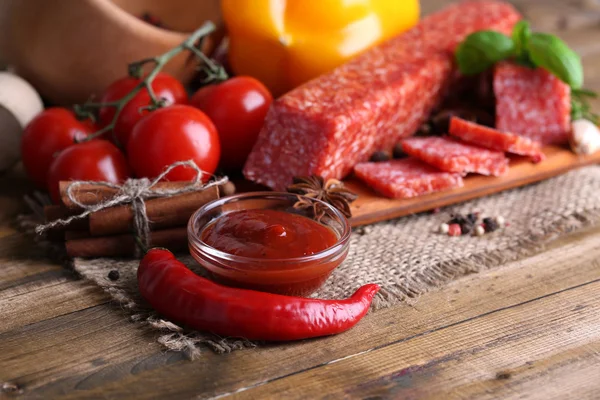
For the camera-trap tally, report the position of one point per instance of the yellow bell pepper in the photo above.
(285, 43)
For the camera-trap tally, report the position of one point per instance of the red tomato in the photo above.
(96, 160)
(49, 133)
(237, 107)
(171, 134)
(165, 86)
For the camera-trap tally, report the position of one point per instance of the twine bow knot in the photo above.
(134, 192)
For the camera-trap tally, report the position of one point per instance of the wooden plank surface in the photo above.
(467, 359)
(529, 329)
(99, 332)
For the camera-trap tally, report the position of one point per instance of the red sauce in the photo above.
(269, 234)
(263, 235)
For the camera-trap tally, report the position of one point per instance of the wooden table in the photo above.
(529, 329)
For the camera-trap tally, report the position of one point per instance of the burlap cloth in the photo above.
(405, 256)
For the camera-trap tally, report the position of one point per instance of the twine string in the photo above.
(134, 192)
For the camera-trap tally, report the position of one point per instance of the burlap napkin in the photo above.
(405, 256)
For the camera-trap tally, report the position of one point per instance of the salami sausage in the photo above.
(409, 177)
(532, 103)
(490, 138)
(453, 156)
(328, 125)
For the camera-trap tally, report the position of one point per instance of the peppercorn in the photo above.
(472, 217)
(479, 230)
(444, 228)
(399, 152)
(379, 156)
(466, 225)
(114, 275)
(500, 220)
(490, 224)
(454, 230)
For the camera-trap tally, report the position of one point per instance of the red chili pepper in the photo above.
(179, 294)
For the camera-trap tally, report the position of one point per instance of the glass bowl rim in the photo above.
(195, 241)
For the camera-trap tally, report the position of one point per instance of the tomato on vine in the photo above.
(171, 134)
(164, 86)
(237, 107)
(49, 133)
(96, 160)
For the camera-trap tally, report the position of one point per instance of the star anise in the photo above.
(314, 187)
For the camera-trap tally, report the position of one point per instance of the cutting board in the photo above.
(371, 207)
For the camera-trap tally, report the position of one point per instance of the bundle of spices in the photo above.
(101, 220)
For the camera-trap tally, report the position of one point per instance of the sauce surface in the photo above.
(269, 234)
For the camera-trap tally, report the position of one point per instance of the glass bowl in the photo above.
(299, 276)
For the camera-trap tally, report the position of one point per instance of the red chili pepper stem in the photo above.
(182, 296)
(136, 69)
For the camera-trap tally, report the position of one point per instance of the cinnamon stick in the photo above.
(163, 212)
(174, 239)
(88, 194)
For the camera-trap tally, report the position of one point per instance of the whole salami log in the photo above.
(331, 123)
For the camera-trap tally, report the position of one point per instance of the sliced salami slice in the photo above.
(402, 179)
(331, 123)
(532, 103)
(490, 138)
(453, 156)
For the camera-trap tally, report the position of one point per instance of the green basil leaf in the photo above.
(551, 53)
(481, 50)
(520, 36)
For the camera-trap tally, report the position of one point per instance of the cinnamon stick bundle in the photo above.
(89, 195)
(164, 212)
(108, 232)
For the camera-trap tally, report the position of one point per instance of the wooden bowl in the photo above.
(70, 50)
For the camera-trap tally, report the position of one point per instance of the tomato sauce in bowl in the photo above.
(260, 241)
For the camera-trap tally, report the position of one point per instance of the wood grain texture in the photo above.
(526, 330)
(467, 359)
(128, 372)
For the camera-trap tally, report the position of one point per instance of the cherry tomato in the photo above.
(49, 133)
(237, 107)
(164, 86)
(96, 160)
(171, 134)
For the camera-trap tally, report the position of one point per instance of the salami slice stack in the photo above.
(494, 139)
(532, 103)
(453, 156)
(406, 178)
(328, 125)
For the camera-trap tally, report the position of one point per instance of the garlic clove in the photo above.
(585, 137)
(19, 103)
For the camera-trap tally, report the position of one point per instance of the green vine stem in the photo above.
(214, 72)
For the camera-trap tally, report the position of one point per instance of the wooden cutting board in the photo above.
(371, 207)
